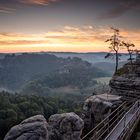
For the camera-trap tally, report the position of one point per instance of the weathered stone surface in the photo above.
(67, 126)
(34, 128)
(97, 107)
(126, 81)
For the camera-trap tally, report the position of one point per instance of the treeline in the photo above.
(16, 107)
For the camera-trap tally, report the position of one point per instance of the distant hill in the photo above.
(17, 70)
(96, 58)
(92, 57)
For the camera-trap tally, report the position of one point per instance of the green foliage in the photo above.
(122, 71)
(16, 107)
(78, 78)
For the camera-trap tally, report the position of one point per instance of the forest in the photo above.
(16, 107)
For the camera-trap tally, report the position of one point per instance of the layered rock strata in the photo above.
(126, 81)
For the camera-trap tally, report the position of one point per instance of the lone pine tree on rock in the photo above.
(115, 45)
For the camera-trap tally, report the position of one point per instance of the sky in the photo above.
(66, 25)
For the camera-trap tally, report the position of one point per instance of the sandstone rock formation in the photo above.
(97, 107)
(126, 81)
(34, 128)
(67, 126)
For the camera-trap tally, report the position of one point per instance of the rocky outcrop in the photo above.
(66, 126)
(97, 107)
(34, 128)
(126, 81)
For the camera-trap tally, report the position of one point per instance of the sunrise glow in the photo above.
(63, 25)
(84, 39)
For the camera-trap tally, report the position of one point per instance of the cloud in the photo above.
(66, 39)
(121, 8)
(36, 2)
(10, 6)
(69, 38)
(7, 10)
(22, 42)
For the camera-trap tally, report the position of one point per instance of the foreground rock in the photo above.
(34, 128)
(98, 107)
(67, 126)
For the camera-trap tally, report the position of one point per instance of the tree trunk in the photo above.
(130, 58)
(117, 59)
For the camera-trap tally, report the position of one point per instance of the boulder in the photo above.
(67, 126)
(33, 128)
(98, 107)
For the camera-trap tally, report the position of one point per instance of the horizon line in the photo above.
(57, 52)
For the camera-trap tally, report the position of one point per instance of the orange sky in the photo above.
(67, 39)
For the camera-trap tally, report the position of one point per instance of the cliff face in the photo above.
(126, 81)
